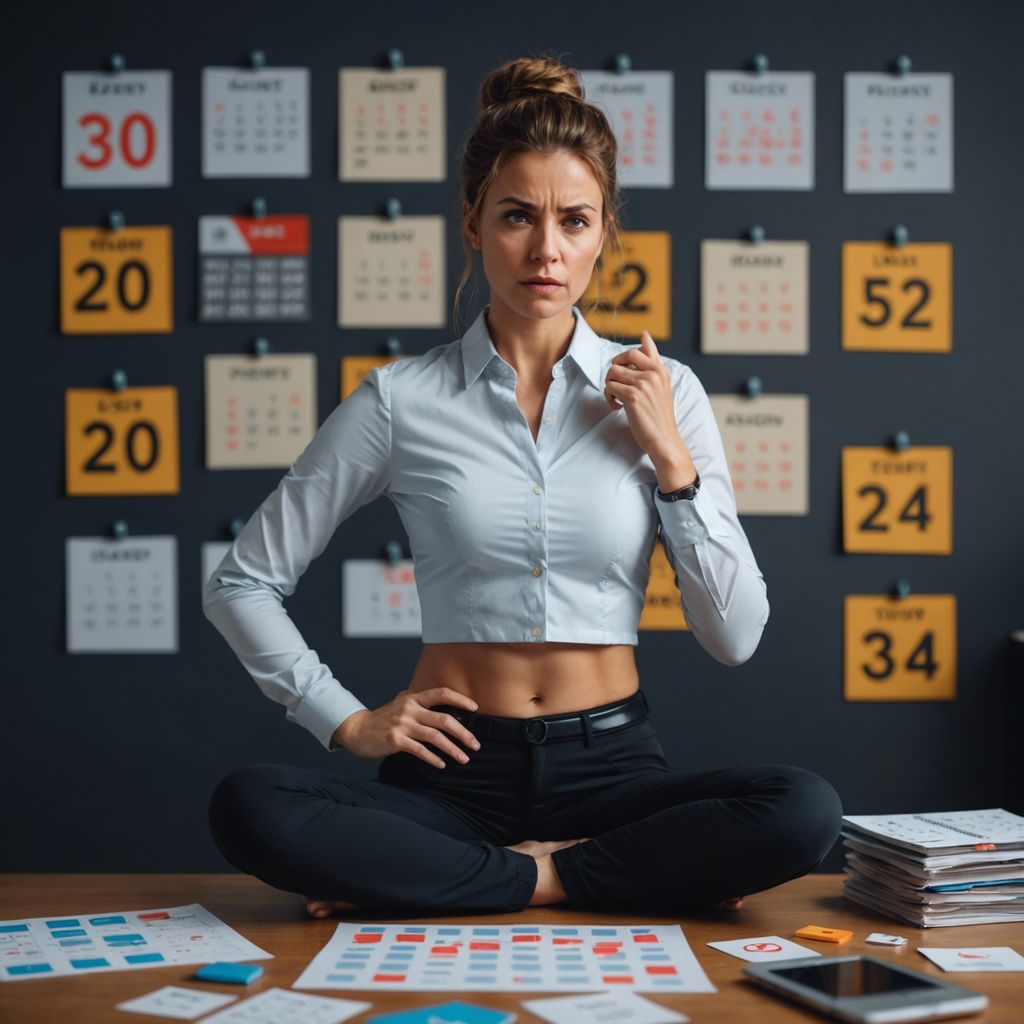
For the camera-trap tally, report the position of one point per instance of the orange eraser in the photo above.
(814, 931)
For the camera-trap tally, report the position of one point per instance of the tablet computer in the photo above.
(865, 990)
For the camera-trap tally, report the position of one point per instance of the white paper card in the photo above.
(763, 948)
(899, 133)
(759, 130)
(882, 939)
(117, 129)
(47, 947)
(601, 1008)
(975, 958)
(638, 106)
(122, 595)
(278, 1006)
(180, 1003)
(378, 599)
(255, 122)
(506, 958)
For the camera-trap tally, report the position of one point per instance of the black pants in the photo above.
(428, 839)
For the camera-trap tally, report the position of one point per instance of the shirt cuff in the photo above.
(326, 705)
(688, 521)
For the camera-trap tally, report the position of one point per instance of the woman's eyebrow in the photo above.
(531, 206)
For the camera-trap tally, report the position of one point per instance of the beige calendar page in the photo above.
(392, 124)
(391, 272)
(766, 443)
(260, 410)
(754, 297)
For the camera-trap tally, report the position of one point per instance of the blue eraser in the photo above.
(238, 974)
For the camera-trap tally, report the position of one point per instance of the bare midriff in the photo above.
(522, 680)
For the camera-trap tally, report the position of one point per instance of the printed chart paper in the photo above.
(392, 124)
(179, 1003)
(759, 130)
(603, 1008)
(505, 958)
(899, 133)
(47, 947)
(255, 122)
(117, 129)
(279, 1006)
(379, 599)
(122, 595)
(975, 958)
(638, 106)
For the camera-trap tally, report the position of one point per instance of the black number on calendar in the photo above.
(133, 286)
(922, 658)
(872, 296)
(141, 445)
(914, 511)
(628, 303)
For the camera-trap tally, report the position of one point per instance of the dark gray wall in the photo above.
(114, 755)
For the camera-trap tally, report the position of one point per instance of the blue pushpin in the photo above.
(259, 206)
(258, 59)
(115, 220)
(901, 441)
(393, 208)
(760, 63)
(753, 386)
(235, 527)
(117, 63)
(900, 235)
(901, 589)
(757, 234)
(393, 552)
(903, 65)
(120, 529)
(393, 346)
(622, 63)
(396, 59)
(261, 346)
(119, 380)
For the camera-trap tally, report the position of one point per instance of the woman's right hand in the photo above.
(405, 723)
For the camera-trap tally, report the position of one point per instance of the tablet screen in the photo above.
(852, 978)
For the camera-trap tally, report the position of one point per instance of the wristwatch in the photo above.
(687, 493)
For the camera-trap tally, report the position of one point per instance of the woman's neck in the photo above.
(530, 347)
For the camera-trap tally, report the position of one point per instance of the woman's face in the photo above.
(541, 217)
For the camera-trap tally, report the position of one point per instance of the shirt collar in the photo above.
(585, 349)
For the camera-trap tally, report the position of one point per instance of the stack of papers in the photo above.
(937, 870)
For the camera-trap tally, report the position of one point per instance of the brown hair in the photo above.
(536, 104)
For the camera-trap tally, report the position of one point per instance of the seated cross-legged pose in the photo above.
(534, 465)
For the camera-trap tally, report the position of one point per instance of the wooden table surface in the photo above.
(277, 922)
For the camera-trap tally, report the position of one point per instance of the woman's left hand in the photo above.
(641, 383)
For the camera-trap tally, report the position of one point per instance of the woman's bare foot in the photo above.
(323, 908)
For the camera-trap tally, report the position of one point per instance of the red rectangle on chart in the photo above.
(389, 977)
(161, 915)
(526, 938)
(444, 949)
(367, 938)
(626, 979)
(485, 945)
(661, 970)
(410, 938)
(645, 938)
(567, 942)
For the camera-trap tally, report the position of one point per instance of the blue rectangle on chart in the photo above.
(568, 956)
(414, 930)
(71, 922)
(525, 929)
(133, 939)
(478, 954)
(143, 958)
(341, 977)
(114, 919)
(604, 931)
(71, 943)
(486, 931)
(482, 979)
(69, 933)
(356, 954)
(8, 929)
(370, 928)
(565, 931)
(671, 982)
(573, 979)
(30, 969)
(640, 931)
(655, 956)
(449, 931)
(96, 961)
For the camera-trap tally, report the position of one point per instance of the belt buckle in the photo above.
(529, 731)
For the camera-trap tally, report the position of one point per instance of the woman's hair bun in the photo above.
(529, 76)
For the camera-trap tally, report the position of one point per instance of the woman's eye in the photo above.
(582, 221)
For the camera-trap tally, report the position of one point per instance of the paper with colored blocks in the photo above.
(505, 958)
(48, 947)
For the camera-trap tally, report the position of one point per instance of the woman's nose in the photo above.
(544, 246)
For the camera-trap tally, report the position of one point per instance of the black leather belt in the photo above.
(552, 727)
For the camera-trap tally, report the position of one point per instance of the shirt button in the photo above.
(690, 522)
(537, 631)
(536, 526)
(535, 571)
(547, 421)
(538, 489)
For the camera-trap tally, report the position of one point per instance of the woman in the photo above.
(531, 462)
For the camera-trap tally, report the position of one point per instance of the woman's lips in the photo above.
(541, 289)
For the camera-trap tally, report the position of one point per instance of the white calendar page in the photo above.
(255, 122)
(391, 273)
(260, 410)
(766, 443)
(899, 133)
(117, 129)
(391, 125)
(379, 599)
(638, 104)
(759, 130)
(122, 595)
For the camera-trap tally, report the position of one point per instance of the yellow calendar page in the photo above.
(115, 282)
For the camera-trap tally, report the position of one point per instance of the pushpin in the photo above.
(393, 552)
(393, 209)
(115, 220)
(753, 386)
(396, 59)
(120, 529)
(756, 234)
(903, 65)
(119, 380)
(393, 346)
(622, 63)
(900, 236)
(257, 58)
(901, 440)
(259, 206)
(235, 527)
(901, 589)
(117, 63)
(260, 346)
(760, 63)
